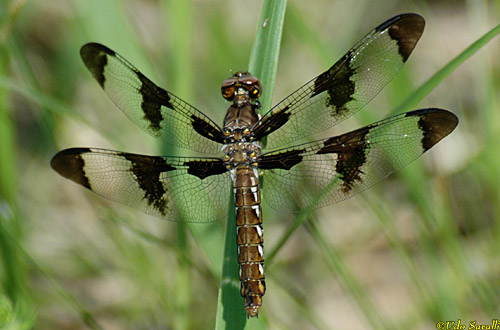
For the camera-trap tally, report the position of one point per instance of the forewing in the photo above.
(158, 112)
(172, 188)
(328, 171)
(346, 87)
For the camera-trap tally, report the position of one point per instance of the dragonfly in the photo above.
(298, 176)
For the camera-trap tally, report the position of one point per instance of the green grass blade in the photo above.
(14, 318)
(14, 272)
(263, 64)
(265, 52)
(430, 84)
(230, 311)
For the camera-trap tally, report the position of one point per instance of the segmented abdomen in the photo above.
(250, 238)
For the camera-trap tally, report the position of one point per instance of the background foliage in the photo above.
(419, 248)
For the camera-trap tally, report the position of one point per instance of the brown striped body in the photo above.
(250, 238)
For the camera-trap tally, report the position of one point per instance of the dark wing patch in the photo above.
(153, 98)
(172, 188)
(346, 87)
(328, 171)
(341, 92)
(147, 172)
(406, 32)
(95, 58)
(203, 169)
(70, 165)
(434, 126)
(158, 112)
(351, 150)
(205, 128)
(281, 160)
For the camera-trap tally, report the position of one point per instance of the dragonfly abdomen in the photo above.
(250, 238)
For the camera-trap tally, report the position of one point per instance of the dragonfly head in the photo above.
(241, 85)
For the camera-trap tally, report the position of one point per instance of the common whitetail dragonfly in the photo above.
(198, 189)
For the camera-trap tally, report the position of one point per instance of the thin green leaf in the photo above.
(265, 51)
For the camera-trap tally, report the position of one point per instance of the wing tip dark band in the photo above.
(93, 47)
(70, 164)
(435, 124)
(406, 29)
(93, 56)
(412, 18)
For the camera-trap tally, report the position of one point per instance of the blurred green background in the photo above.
(419, 248)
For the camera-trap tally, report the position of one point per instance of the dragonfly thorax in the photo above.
(243, 89)
(241, 154)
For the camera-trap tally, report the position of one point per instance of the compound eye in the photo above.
(228, 92)
(255, 92)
